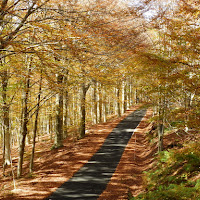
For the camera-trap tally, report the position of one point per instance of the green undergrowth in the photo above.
(176, 175)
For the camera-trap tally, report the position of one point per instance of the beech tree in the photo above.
(6, 119)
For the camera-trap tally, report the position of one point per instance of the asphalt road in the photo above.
(91, 180)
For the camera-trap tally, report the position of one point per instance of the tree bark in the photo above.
(35, 126)
(125, 96)
(136, 96)
(6, 123)
(95, 104)
(66, 95)
(100, 103)
(118, 102)
(24, 129)
(122, 97)
(104, 105)
(84, 89)
(59, 114)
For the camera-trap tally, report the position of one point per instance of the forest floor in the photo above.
(54, 167)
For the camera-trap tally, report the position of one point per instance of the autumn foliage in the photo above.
(65, 65)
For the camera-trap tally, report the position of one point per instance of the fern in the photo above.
(172, 178)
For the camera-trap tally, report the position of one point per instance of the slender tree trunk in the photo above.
(50, 126)
(104, 105)
(109, 106)
(122, 97)
(21, 151)
(131, 93)
(95, 104)
(100, 103)
(125, 97)
(74, 111)
(66, 95)
(59, 114)
(84, 89)
(66, 114)
(24, 129)
(136, 96)
(128, 94)
(35, 126)
(49, 120)
(118, 102)
(6, 124)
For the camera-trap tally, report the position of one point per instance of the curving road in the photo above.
(91, 180)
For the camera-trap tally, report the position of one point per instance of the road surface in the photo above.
(91, 180)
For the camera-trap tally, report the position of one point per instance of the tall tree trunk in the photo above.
(49, 120)
(125, 97)
(122, 97)
(136, 96)
(104, 105)
(24, 129)
(50, 126)
(35, 126)
(59, 114)
(118, 102)
(6, 124)
(100, 103)
(74, 110)
(84, 89)
(66, 95)
(95, 104)
(128, 93)
(131, 92)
